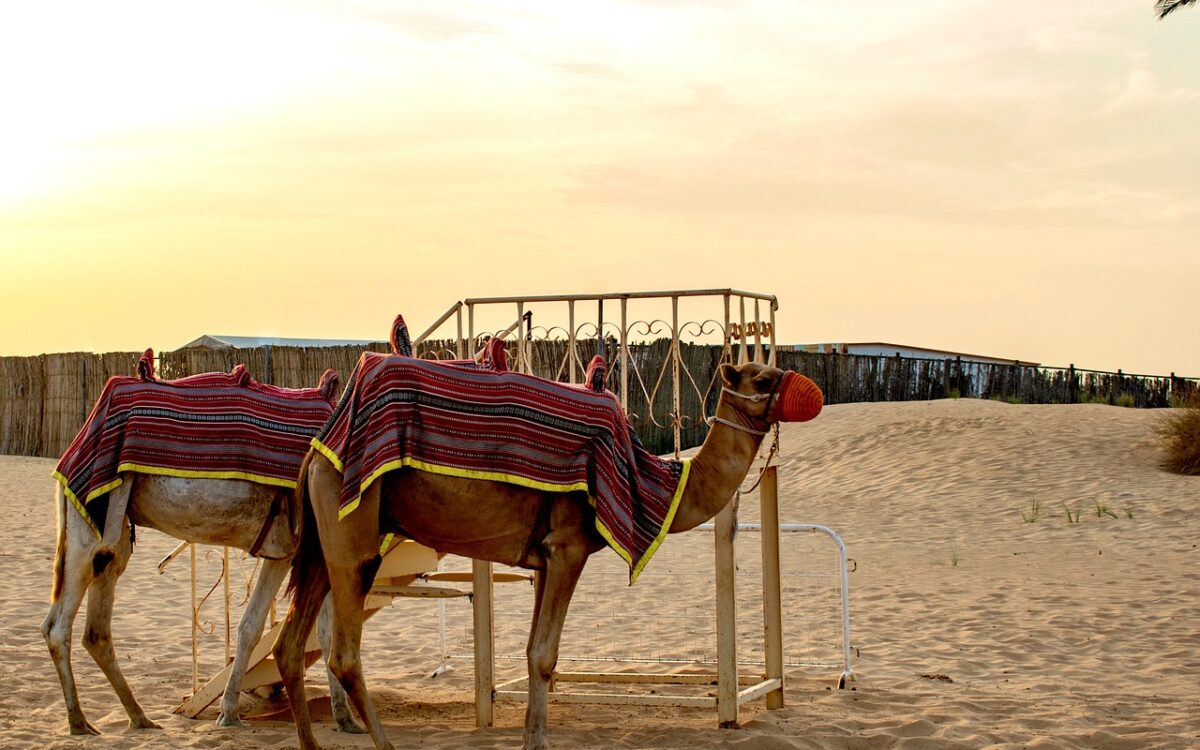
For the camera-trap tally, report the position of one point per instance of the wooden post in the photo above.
(228, 601)
(759, 356)
(571, 338)
(744, 348)
(624, 356)
(727, 674)
(485, 643)
(768, 495)
(195, 626)
(460, 350)
(676, 414)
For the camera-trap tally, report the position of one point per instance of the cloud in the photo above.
(1140, 89)
(587, 69)
(437, 24)
(1064, 40)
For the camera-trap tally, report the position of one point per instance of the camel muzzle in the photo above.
(800, 399)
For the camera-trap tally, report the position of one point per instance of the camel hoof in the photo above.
(144, 722)
(349, 726)
(536, 743)
(230, 720)
(84, 728)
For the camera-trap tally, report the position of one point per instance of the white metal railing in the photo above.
(741, 321)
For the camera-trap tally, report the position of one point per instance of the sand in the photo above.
(972, 628)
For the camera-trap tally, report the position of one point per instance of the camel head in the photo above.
(767, 395)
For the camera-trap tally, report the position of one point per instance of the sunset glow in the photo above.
(1013, 179)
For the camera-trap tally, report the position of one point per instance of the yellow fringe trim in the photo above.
(327, 452)
(666, 526)
(494, 476)
(636, 568)
(187, 474)
(81, 506)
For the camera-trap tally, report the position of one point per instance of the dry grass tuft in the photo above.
(1180, 434)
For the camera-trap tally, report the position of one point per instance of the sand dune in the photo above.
(972, 627)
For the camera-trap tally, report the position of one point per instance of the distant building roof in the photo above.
(251, 342)
(876, 348)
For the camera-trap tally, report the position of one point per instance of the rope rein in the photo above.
(774, 449)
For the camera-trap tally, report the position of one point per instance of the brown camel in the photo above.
(550, 532)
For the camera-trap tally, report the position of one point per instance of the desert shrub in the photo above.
(1179, 431)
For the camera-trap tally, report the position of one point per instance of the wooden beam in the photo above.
(485, 644)
(768, 495)
(693, 701)
(727, 675)
(766, 687)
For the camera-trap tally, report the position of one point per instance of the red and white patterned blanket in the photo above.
(461, 420)
(213, 425)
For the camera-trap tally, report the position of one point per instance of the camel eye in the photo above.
(763, 383)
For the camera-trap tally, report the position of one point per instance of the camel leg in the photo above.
(249, 631)
(567, 554)
(337, 694)
(97, 637)
(289, 649)
(75, 551)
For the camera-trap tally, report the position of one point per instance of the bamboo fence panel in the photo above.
(45, 399)
(21, 391)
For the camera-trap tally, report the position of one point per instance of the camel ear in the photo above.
(731, 375)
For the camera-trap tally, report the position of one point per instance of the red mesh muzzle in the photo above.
(799, 398)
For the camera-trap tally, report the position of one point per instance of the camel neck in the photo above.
(716, 472)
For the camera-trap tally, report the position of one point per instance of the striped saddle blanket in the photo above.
(213, 425)
(458, 419)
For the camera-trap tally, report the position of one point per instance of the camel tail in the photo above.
(60, 548)
(309, 561)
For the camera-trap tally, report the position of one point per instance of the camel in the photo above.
(227, 512)
(235, 509)
(553, 533)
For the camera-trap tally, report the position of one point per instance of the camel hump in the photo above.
(595, 374)
(401, 343)
(329, 384)
(145, 365)
(495, 357)
(240, 375)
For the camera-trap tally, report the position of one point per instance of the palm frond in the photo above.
(1163, 7)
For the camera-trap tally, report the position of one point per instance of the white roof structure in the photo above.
(251, 342)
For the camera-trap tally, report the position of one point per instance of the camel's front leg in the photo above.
(567, 553)
(97, 638)
(249, 632)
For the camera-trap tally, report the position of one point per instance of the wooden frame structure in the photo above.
(733, 689)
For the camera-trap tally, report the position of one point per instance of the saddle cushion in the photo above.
(212, 425)
(476, 422)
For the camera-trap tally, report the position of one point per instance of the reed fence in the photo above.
(44, 400)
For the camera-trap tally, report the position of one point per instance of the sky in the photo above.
(1016, 179)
